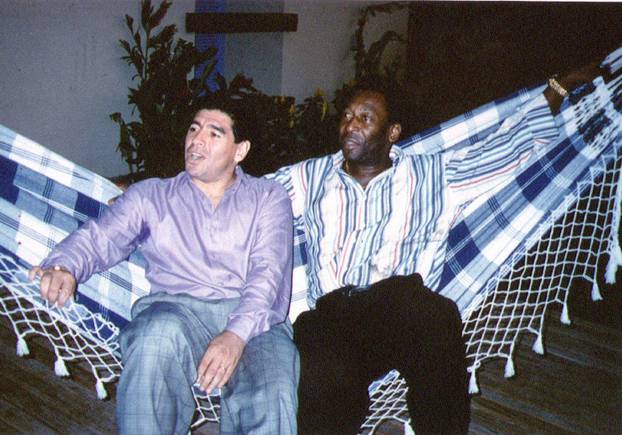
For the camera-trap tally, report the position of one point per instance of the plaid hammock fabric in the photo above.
(44, 197)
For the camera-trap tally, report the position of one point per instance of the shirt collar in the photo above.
(240, 178)
(396, 154)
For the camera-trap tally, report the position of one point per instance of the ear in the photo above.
(395, 130)
(242, 150)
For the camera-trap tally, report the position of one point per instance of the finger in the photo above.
(53, 295)
(225, 378)
(68, 288)
(56, 286)
(34, 272)
(216, 380)
(44, 287)
(203, 371)
(205, 361)
(211, 374)
(65, 293)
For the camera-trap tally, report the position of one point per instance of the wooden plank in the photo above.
(236, 22)
(14, 420)
(553, 388)
(63, 405)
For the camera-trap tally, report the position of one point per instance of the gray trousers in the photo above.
(161, 349)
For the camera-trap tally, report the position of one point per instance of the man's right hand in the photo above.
(57, 284)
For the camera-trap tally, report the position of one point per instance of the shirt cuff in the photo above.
(243, 327)
(51, 261)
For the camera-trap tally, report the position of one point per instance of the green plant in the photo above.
(164, 100)
(162, 96)
(369, 62)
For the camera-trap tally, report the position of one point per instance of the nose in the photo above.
(351, 125)
(197, 139)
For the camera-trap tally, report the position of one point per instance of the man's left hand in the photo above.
(219, 361)
(571, 81)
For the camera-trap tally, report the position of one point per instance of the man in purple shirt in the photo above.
(218, 244)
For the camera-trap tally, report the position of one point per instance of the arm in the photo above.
(96, 246)
(268, 285)
(569, 82)
(477, 169)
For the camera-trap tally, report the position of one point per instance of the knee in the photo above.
(161, 327)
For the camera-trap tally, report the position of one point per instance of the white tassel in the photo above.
(612, 269)
(101, 390)
(538, 346)
(60, 368)
(473, 388)
(565, 318)
(408, 430)
(596, 296)
(22, 347)
(616, 251)
(509, 368)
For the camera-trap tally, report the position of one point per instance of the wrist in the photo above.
(557, 87)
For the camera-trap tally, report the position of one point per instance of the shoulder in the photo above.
(155, 188)
(263, 186)
(180, 180)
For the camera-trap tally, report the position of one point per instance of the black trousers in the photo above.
(350, 340)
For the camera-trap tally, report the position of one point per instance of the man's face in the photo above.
(211, 153)
(363, 130)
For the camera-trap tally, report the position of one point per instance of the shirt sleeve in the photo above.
(489, 163)
(101, 243)
(293, 179)
(265, 298)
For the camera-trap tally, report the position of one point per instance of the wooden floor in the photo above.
(575, 388)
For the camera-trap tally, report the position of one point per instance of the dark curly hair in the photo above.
(243, 121)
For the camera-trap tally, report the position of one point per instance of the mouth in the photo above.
(350, 143)
(194, 157)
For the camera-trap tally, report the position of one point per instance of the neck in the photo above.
(214, 190)
(365, 173)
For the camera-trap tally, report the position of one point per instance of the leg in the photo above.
(438, 398)
(332, 392)
(161, 348)
(260, 397)
(401, 325)
(422, 339)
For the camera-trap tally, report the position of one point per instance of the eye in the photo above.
(347, 116)
(192, 128)
(366, 117)
(215, 134)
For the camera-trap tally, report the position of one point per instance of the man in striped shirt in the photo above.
(373, 211)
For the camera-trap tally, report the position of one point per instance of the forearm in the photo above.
(99, 243)
(488, 164)
(559, 87)
(265, 297)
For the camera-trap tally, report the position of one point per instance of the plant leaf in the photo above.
(156, 18)
(145, 14)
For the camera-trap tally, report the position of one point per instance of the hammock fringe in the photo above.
(22, 347)
(60, 368)
(538, 345)
(101, 390)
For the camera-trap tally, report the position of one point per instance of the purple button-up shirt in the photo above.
(242, 248)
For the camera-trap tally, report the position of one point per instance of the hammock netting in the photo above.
(557, 220)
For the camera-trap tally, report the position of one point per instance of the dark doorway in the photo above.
(464, 54)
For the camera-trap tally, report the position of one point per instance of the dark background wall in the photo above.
(464, 54)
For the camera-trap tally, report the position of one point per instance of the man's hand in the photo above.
(219, 361)
(571, 81)
(57, 284)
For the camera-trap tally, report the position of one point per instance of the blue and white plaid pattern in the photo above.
(44, 196)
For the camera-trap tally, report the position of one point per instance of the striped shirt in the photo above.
(399, 223)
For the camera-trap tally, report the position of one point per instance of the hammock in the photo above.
(509, 257)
